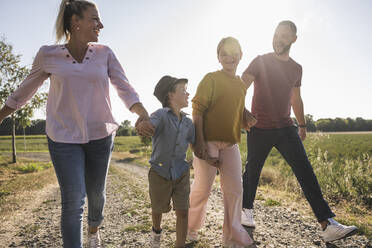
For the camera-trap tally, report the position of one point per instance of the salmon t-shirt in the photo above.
(273, 83)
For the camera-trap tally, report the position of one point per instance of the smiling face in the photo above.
(179, 97)
(229, 55)
(284, 37)
(88, 27)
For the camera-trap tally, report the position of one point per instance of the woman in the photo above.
(218, 109)
(79, 123)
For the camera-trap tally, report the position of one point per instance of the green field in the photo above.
(342, 162)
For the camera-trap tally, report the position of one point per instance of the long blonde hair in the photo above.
(67, 9)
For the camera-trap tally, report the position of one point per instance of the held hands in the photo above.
(201, 151)
(144, 126)
(248, 120)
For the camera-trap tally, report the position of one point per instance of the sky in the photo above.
(179, 38)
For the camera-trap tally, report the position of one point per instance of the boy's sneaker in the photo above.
(155, 239)
(247, 218)
(94, 240)
(192, 236)
(335, 231)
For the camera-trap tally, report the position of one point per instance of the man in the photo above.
(277, 81)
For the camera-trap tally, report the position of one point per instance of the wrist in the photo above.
(302, 125)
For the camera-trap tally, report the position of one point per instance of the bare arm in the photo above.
(5, 111)
(247, 79)
(248, 119)
(298, 110)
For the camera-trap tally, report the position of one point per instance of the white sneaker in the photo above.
(155, 239)
(247, 218)
(94, 240)
(192, 236)
(335, 231)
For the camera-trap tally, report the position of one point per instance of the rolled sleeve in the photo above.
(119, 80)
(30, 84)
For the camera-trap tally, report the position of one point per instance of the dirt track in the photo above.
(127, 219)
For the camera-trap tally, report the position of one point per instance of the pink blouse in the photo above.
(79, 106)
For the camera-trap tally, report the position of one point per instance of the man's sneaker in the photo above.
(335, 231)
(247, 218)
(192, 236)
(155, 239)
(94, 241)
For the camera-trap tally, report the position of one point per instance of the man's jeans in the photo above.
(81, 170)
(288, 143)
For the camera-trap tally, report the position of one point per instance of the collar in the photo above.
(183, 114)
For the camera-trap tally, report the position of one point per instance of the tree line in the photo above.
(126, 129)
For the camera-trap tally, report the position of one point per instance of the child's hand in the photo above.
(145, 128)
(199, 149)
(248, 120)
(215, 162)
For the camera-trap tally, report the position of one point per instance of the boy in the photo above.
(169, 176)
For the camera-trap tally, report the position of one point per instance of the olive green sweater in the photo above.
(220, 99)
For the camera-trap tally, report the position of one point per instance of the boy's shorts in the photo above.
(162, 191)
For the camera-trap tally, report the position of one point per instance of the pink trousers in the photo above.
(232, 189)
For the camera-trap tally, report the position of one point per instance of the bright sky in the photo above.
(179, 38)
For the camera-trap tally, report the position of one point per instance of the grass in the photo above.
(34, 143)
(18, 181)
(342, 163)
(270, 203)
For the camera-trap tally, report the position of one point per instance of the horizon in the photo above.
(180, 39)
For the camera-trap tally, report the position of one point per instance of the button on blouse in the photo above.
(78, 107)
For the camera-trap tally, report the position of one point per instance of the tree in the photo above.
(310, 124)
(125, 129)
(11, 76)
(24, 115)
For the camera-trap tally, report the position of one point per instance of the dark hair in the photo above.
(291, 25)
(67, 9)
(165, 103)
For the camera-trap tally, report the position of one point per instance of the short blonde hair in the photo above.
(67, 9)
(230, 42)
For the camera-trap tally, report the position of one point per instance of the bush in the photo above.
(33, 167)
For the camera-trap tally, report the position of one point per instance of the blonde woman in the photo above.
(79, 123)
(218, 110)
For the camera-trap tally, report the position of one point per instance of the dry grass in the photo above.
(17, 187)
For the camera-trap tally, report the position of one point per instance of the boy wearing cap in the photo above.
(169, 176)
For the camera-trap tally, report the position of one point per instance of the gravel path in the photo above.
(128, 219)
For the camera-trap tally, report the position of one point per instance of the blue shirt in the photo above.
(170, 142)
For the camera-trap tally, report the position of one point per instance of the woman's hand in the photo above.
(4, 112)
(144, 127)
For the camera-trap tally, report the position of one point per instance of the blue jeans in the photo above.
(288, 143)
(81, 170)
